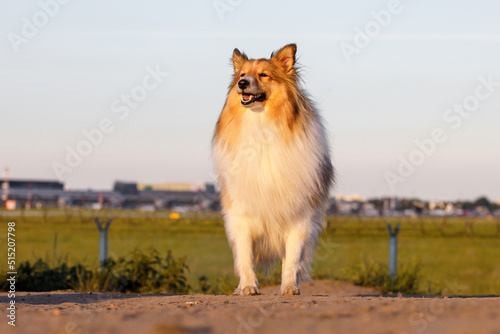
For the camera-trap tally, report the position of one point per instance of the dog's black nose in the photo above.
(243, 83)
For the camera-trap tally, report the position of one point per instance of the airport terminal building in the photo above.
(18, 194)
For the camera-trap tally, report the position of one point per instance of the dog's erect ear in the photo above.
(238, 60)
(286, 56)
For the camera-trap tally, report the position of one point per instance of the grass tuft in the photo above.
(136, 272)
(376, 275)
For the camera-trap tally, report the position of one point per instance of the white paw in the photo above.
(290, 291)
(247, 291)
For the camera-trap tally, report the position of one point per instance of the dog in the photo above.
(272, 162)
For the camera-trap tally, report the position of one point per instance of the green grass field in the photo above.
(457, 256)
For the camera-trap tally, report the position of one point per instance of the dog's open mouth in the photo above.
(247, 99)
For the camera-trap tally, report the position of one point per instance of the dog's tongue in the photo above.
(247, 97)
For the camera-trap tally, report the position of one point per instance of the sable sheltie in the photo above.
(273, 165)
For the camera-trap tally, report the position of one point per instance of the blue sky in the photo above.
(425, 58)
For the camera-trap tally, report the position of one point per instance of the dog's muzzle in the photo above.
(250, 91)
(247, 99)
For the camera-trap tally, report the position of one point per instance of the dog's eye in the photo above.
(263, 75)
(242, 75)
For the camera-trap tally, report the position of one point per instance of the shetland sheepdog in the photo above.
(273, 166)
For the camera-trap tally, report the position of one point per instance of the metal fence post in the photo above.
(103, 239)
(393, 249)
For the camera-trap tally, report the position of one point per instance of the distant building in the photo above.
(206, 187)
(126, 188)
(35, 185)
(390, 204)
(33, 193)
(369, 210)
(349, 198)
(346, 205)
(130, 195)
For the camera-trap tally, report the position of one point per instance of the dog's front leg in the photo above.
(295, 244)
(240, 238)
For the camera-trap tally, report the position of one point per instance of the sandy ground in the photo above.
(323, 307)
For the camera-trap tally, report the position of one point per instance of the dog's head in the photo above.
(258, 81)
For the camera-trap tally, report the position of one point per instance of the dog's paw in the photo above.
(247, 291)
(290, 291)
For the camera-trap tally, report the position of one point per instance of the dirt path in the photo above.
(323, 307)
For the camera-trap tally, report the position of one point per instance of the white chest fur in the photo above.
(267, 176)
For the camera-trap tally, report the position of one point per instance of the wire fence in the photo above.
(337, 225)
(446, 227)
